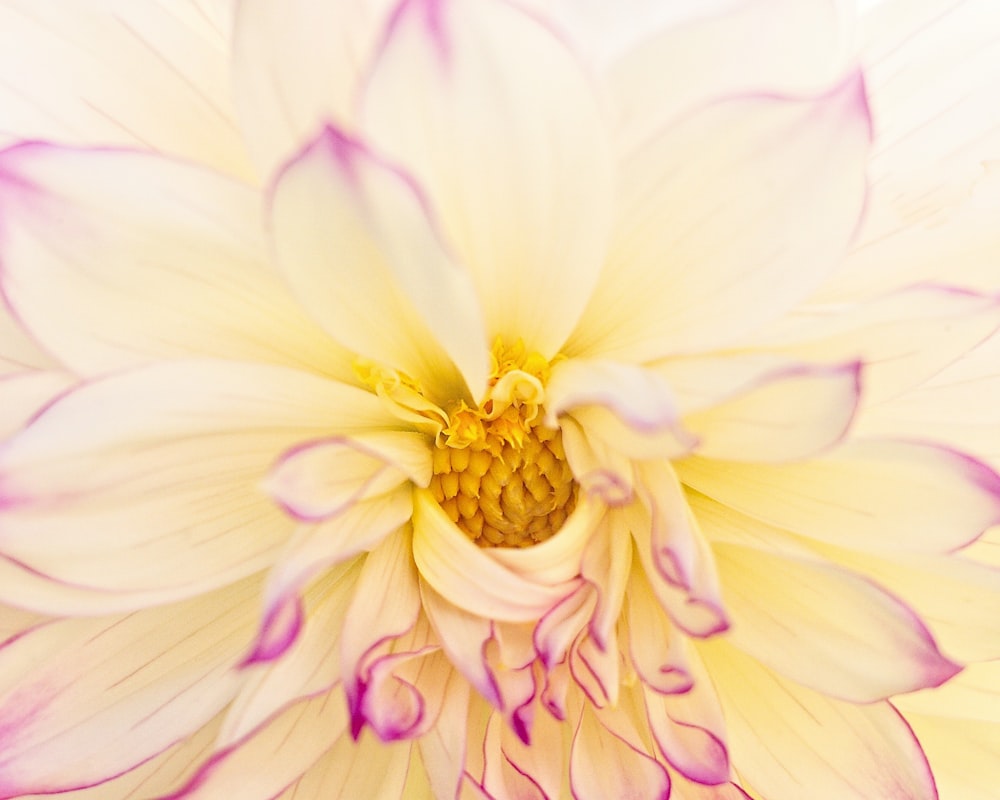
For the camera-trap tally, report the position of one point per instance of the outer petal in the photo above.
(867, 646)
(108, 488)
(718, 215)
(124, 72)
(296, 66)
(113, 258)
(495, 117)
(783, 738)
(793, 415)
(356, 241)
(877, 495)
(104, 695)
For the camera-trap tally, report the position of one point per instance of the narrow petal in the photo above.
(107, 488)
(605, 566)
(903, 338)
(656, 650)
(602, 765)
(138, 74)
(718, 214)
(783, 737)
(690, 732)
(789, 416)
(870, 494)
(467, 576)
(443, 747)
(867, 648)
(115, 258)
(104, 695)
(510, 145)
(356, 241)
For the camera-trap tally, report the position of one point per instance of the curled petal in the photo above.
(605, 566)
(656, 650)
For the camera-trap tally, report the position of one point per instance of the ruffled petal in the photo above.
(867, 647)
(718, 213)
(789, 416)
(104, 695)
(356, 241)
(114, 258)
(107, 488)
(135, 73)
(876, 495)
(510, 144)
(783, 737)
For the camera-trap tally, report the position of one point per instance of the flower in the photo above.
(489, 403)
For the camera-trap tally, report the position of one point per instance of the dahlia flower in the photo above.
(468, 399)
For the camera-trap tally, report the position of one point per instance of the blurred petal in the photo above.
(23, 394)
(112, 259)
(509, 143)
(104, 695)
(717, 215)
(356, 241)
(877, 495)
(783, 737)
(196, 435)
(136, 73)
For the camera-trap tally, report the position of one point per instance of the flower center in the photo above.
(499, 473)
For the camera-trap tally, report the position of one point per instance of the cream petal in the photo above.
(783, 737)
(19, 352)
(964, 754)
(107, 489)
(23, 394)
(510, 143)
(605, 566)
(296, 66)
(603, 764)
(355, 238)
(869, 494)
(309, 666)
(867, 646)
(903, 338)
(135, 73)
(656, 651)
(718, 214)
(115, 258)
(469, 577)
(537, 769)
(666, 66)
(597, 672)
(443, 747)
(104, 695)
(790, 415)
(287, 745)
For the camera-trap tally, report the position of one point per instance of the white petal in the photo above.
(296, 66)
(149, 480)
(785, 740)
(826, 627)
(789, 416)
(727, 219)
(356, 241)
(103, 695)
(469, 577)
(136, 73)
(497, 120)
(876, 495)
(113, 258)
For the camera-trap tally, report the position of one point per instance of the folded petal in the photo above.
(718, 214)
(138, 74)
(104, 695)
(469, 577)
(355, 238)
(783, 737)
(149, 481)
(790, 415)
(866, 647)
(869, 494)
(509, 142)
(656, 650)
(115, 258)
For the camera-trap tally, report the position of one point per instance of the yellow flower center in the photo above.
(499, 473)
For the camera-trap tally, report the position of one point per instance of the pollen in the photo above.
(499, 473)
